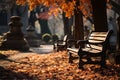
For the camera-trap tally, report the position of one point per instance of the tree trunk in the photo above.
(78, 29)
(99, 15)
(118, 34)
(67, 27)
(32, 18)
(44, 26)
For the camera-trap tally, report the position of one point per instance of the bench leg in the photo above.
(70, 57)
(80, 65)
(103, 61)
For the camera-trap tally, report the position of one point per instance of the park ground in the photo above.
(16, 65)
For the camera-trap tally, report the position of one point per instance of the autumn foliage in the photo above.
(59, 6)
(67, 6)
(53, 66)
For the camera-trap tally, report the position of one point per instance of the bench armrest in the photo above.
(59, 40)
(71, 40)
(82, 42)
(96, 43)
(87, 42)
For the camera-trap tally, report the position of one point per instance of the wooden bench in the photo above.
(60, 45)
(94, 50)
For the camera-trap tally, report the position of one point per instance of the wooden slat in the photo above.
(97, 37)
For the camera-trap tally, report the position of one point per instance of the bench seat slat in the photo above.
(73, 49)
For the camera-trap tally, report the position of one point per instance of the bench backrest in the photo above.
(100, 37)
(65, 39)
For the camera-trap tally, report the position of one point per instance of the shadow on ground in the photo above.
(10, 75)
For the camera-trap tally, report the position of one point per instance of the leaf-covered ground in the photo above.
(53, 66)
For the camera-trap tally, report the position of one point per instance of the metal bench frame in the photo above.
(96, 46)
